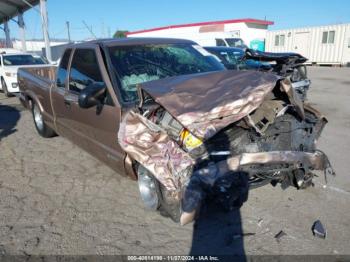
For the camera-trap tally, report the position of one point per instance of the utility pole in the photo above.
(22, 31)
(89, 29)
(103, 29)
(68, 31)
(44, 20)
(109, 32)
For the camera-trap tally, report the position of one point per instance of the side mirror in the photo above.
(91, 95)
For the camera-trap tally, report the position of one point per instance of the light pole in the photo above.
(68, 31)
(43, 13)
(22, 31)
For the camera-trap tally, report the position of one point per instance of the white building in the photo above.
(215, 33)
(321, 45)
(35, 46)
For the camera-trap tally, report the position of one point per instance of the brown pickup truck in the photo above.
(166, 113)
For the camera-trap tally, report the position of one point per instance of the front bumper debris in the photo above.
(248, 163)
(292, 160)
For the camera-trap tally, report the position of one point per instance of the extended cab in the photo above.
(167, 113)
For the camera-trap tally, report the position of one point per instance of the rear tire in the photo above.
(4, 88)
(41, 127)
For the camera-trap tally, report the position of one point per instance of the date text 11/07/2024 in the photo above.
(172, 258)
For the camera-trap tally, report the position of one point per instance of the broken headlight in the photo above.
(189, 141)
(176, 131)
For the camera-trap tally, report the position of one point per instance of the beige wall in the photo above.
(314, 49)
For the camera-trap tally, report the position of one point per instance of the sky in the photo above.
(107, 16)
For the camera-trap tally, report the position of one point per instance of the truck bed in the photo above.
(42, 73)
(38, 81)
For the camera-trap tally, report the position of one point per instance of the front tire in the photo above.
(4, 88)
(162, 200)
(41, 127)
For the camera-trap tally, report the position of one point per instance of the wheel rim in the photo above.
(148, 191)
(38, 118)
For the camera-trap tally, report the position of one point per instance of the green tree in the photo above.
(120, 33)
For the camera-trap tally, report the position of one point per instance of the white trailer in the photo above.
(323, 45)
(251, 32)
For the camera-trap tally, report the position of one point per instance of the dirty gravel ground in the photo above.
(57, 199)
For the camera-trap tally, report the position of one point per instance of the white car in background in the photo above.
(10, 61)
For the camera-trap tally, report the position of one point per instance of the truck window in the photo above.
(220, 42)
(84, 70)
(62, 69)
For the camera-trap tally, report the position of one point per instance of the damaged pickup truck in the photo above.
(169, 115)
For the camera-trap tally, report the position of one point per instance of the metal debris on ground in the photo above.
(237, 236)
(318, 229)
(229, 239)
(279, 235)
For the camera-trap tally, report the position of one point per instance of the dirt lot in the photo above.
(57, 199)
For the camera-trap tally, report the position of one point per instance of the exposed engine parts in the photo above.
(287, 65)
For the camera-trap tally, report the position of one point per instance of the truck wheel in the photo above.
(156, 197)
(40, 125)
(4, 88)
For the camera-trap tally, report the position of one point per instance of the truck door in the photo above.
(59, 91)
(92, 129)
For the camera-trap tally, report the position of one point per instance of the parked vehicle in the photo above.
(290, 65)
(234, 42)
(10, 61)
(234, 58)
(167, 114)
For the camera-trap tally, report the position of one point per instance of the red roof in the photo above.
(244, 20)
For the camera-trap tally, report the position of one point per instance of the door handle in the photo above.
(67, 103)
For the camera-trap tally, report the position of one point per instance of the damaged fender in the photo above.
(150, 146)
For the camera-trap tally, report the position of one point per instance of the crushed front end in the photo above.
(219, 134)
(286, 65)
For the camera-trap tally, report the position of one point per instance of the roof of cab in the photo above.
(135, 41)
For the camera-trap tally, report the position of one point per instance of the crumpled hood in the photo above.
(207, 102)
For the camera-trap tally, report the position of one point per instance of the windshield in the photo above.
(40, 60)
(142, 63)
(235, 42)
(16, 60)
